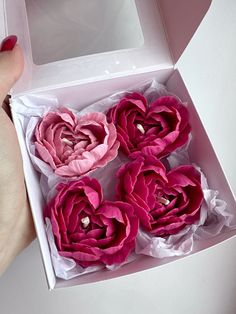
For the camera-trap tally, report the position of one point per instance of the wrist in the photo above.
(18, 237)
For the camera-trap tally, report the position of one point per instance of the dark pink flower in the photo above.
(164, 202)
(88, 229)
(156, 130)
(74, 146)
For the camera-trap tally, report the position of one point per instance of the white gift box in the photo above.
(86, 50)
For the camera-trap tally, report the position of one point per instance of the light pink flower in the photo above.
(74, 146)
(164, 202)
(88, 229)
(156, 129)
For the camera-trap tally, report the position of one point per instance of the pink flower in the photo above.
(164, 202)
(73, 146)
(88, 229)
(157, 129)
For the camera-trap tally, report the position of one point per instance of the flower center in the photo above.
(67, 142)
(85, 222)
(140, 128)
(163, 200)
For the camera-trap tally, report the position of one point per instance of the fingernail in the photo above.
(8, 43)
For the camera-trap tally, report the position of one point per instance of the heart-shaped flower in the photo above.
(156, 130)
(87, 228)
(74, 146)
(164, 202)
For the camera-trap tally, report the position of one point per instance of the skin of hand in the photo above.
(16, 225)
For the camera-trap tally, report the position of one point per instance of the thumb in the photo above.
(11, 67)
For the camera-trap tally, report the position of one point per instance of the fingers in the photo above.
(11, 67)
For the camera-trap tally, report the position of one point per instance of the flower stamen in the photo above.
(66, 141)
(85, 222)
(140, 128)
(163, 200)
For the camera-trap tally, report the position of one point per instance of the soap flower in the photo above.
(88, 229)
(156, 129)
(74, 146)
(165, 202)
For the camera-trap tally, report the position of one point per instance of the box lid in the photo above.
(211, 57)
(77, 41)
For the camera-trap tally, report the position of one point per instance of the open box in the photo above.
(136, 41)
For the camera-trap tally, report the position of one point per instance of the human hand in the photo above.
(16, 226)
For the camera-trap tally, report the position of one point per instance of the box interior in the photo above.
(104, 72)
(200, 148)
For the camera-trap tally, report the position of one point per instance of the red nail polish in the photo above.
(8, 43)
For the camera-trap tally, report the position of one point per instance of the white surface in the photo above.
(2, 20)
(200, 284)
(203, 283)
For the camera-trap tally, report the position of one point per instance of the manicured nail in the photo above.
(8, 43)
